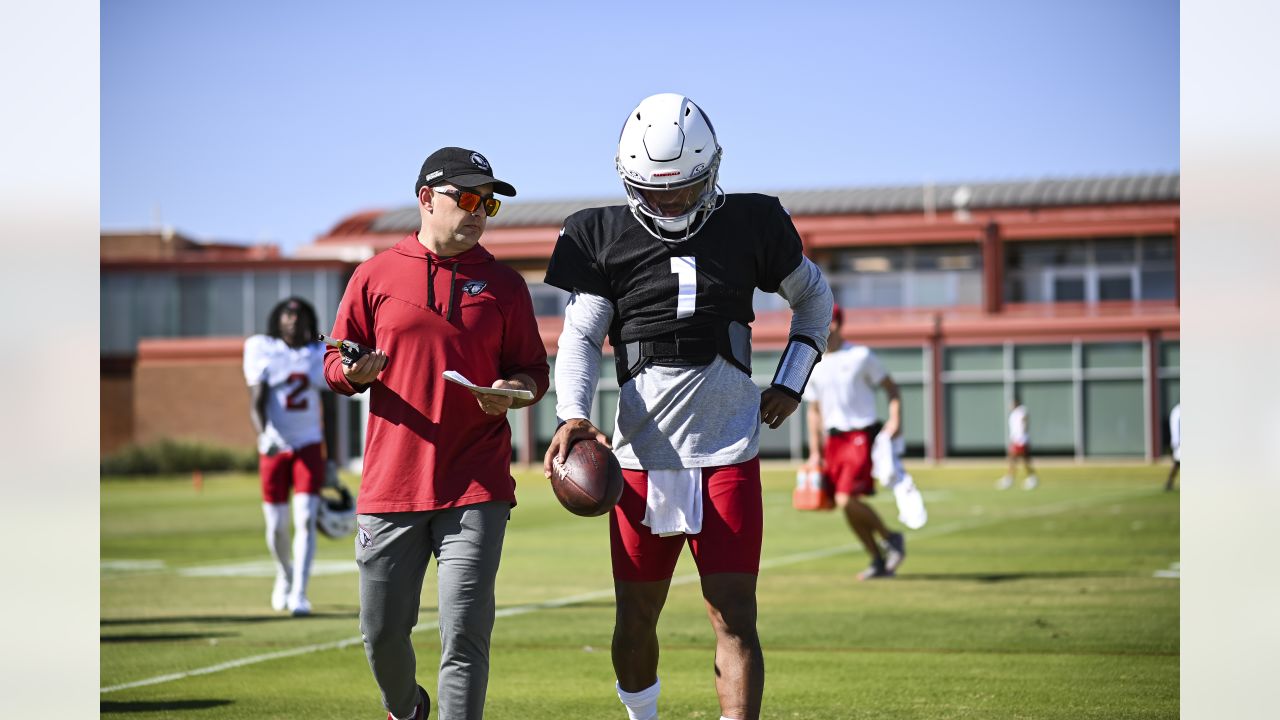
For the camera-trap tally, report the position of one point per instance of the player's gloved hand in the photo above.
(331, 479)
(776, 406)
(566, 435)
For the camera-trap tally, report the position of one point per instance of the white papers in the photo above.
(455, 376)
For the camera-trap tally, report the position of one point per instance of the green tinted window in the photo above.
(1113, 417)
(1170, 394)
(1042, 357)
(267, 291)
(544, 414)
(1170, 354)
(606, 410)
(901, 360)
(777, 443)
(975, 418)
(518, 420)
(1051, 419)
(989, 357)
(763, 365)
(1113, 355)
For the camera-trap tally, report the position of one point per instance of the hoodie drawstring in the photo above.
(432, 266)
(453, 275)
(431, 283)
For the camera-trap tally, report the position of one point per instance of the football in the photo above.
(589, 481)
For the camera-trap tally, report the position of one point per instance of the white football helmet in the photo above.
(668, 159)
(337, 518)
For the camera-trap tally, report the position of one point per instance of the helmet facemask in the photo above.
(678, 210)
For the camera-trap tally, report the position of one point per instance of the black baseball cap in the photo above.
(459, 166)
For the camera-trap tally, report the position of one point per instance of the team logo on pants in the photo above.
(363, 538)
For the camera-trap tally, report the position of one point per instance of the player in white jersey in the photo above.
(1175, 444)
(285, 372)
(1019, 447)
(842, 428)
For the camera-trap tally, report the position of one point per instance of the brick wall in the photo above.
(192, 390)
(116, 413)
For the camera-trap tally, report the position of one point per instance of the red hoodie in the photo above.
(429, 445)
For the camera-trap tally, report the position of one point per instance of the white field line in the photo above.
(792, 559)
(128, 569)
(267, 568)
(131, 566)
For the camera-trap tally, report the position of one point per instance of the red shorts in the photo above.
(1017, 450)
(847, 463)
(302, 470)
(732, 527)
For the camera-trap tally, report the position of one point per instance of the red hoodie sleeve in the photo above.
(522, 348)
(354, 322)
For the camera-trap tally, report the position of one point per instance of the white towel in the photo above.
(886, 466)
(674, 502)
(911, 510)
(886, 459)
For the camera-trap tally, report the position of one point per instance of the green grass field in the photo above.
(1055, 603)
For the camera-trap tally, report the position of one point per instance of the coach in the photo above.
(437, 467)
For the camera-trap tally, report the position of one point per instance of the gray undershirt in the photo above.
(679, 417)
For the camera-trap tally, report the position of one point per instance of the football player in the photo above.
(285, 372)
(669, 278)
(1019, 447)
(1175, 444)
(842, 429)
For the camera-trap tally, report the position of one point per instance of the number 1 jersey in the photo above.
(294, 377)
(664, 287)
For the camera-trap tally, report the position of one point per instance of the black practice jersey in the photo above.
(658, 288)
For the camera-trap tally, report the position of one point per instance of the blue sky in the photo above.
(270, 122)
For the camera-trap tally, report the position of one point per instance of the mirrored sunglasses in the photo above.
(469, 201)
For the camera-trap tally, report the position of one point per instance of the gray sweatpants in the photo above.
(393, 550)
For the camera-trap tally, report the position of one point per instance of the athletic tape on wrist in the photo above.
(796, 365)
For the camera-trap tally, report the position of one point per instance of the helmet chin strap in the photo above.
(676, 225)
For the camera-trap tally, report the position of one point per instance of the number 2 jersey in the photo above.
(294, 377)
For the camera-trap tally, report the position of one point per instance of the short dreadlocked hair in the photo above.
(306, 317)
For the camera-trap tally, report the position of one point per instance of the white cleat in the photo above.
(280, 594)
(1004, 483)
(1031, 483)
(299, 607)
